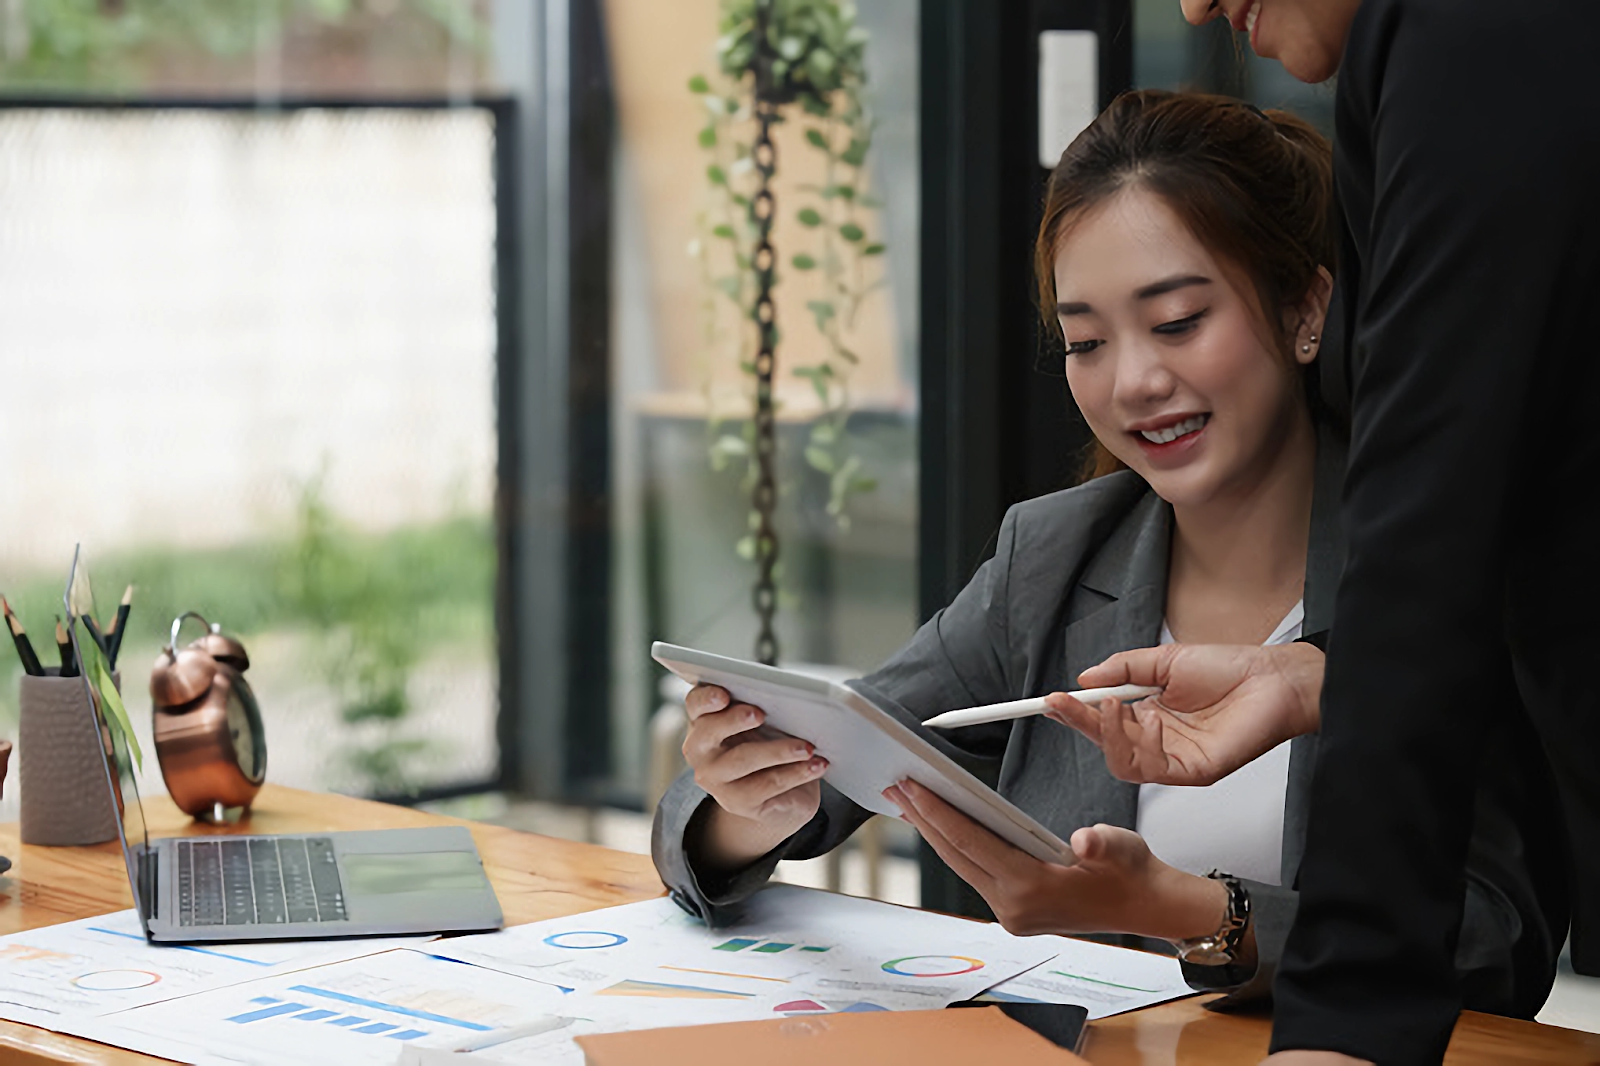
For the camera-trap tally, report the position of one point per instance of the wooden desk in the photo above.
(539, 877)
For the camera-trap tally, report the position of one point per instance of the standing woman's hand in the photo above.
(767, 784)
(1221, 706)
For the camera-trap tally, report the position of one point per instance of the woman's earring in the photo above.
(1306, 348)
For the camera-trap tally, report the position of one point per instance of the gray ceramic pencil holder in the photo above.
(62, 771)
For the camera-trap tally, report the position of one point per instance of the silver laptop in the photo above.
(382, 882)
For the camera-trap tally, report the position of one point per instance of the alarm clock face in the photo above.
(246, 731)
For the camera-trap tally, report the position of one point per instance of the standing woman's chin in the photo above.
(1306, 36)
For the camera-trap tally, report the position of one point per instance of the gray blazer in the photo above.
(1077, 576)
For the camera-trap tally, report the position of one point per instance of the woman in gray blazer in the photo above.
(1185, 248)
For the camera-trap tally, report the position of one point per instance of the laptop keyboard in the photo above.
(264, 881)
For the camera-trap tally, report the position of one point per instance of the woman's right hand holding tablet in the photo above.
(767, 784)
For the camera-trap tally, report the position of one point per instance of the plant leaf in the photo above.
(803, 262)
(873, 249)
(817, 139)
(115, 713)
(708, 137)
(808, 216)
(851, 232)
(698, 85)
(820, 459)
(724, 231)
(716, 175)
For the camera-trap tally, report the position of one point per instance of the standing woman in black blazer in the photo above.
(1468, 171)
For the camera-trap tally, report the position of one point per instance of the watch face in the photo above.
(245, 730)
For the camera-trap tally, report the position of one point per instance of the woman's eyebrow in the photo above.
(1155, 288)
(1166, 285)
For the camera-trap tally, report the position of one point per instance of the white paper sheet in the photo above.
(794, 951)
(362, 1012)
(1107, 980)
(98, 965)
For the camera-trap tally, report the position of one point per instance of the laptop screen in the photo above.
(120, 747)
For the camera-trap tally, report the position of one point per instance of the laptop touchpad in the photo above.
(427, 871)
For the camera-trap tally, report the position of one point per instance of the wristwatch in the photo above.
(1213, 961)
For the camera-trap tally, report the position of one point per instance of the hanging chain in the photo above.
(764, 497)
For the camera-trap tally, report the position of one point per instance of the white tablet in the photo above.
(867, 750)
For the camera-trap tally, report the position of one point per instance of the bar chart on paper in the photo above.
(104, 964)
(347, 1014)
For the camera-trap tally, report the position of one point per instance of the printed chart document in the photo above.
(1107, 980)
(353, 1013)
(95, 966)
(793, 951)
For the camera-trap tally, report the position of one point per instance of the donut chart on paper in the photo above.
(115, 980)
(933, 965)
(585, 939)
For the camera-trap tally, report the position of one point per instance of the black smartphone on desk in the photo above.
(1063, 1024)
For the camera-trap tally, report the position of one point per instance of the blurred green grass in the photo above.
(391, 597)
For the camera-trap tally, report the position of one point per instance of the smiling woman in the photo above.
(1187, 252)
(1194, 220)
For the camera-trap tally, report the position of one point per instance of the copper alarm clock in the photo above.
(208, 732)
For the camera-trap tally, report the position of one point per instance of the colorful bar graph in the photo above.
(375, 1027)
(390, 1008)
(267, 1012)
(407, 1034)
(316, 1015)
(771, 947)
(350, 1020)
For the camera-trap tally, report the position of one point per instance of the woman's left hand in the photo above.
(1117, 885)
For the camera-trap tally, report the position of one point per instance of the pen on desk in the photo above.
(1000, 712)
(119, 625)
(69, 662)
(19, 637)
(546, 1024)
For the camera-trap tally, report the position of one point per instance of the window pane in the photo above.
(845, 237)
(248, 359)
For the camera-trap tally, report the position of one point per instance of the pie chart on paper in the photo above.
(115, 980)
(933, 965)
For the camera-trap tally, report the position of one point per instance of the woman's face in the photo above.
(1306, 36)
(1169, 360)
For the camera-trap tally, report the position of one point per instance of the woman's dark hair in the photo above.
(1254, 187)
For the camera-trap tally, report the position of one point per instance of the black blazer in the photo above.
(1078, 576)
(1467, 168)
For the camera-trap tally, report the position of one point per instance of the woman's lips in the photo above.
(1177, 447)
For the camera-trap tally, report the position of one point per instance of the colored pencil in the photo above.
(119, 625)
(96, 635)
(19, 637)
(69, 662)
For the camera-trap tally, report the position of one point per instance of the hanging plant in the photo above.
(816, 76)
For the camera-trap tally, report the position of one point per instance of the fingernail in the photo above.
(750, 716)
(800, 751)
(818, 764)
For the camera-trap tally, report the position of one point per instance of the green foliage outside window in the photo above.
(821, 78)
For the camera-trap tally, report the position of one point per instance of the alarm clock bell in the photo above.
(208, 732)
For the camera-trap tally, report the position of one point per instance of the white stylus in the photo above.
(1000, 712)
